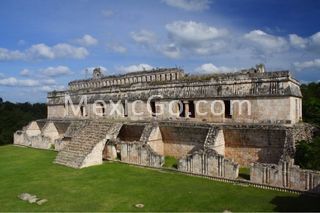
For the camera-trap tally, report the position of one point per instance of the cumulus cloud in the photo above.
(43, 51)
(49, 81)
(265, 42)
(193, 32)
(315, 39)
(87, 40)
(43, 85)
(210, 68)
(56, 71)
(13, 82)
(6, 55)
(51, 88)
(297, 41)
(144, 37)
(25, 72)
(118, 48)
(171, 51)
(189, 5)
(311, 43)
(196, 38)
(134, 68)
(313, 64)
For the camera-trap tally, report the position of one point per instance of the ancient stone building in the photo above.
(212, 124)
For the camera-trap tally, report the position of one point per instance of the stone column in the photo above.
(186, 109)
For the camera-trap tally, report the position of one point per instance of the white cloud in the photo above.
(171, 51)
(52, 88)
(1, 75)
(315, 39)
(264, 42)
(87, 40)
(134, 68)
(215, 47)
(25, 72)
(118, 48)
(189, 5)
(311, 43)
(313, 64)
(56, 71)
(68, 51)
(40, 51)
(297, 41)
(210, 68)
(196, 38)
(6, 55)
(49, 81)
(43, 51)
(107, 13)
(13, 82)
(194, 32)
(144, 37)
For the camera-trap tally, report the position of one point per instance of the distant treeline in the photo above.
(14, 116)
(311, 103)
(308, 152)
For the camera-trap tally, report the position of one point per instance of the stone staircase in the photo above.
(84, 141)
(210, 138)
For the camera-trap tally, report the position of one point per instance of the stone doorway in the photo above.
(109, 152)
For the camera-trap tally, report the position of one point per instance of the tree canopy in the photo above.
(15, 116)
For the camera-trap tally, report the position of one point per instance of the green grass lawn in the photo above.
(117, 187)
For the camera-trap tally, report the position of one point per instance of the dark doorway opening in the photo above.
(191, 109)
(83, 111)
(153, 108)
(125, 108)
(182, 109)
(227, 109)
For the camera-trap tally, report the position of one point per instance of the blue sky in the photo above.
(46, 44)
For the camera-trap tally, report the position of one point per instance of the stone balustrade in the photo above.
(171, 74)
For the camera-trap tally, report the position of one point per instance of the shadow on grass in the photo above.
(302, 203)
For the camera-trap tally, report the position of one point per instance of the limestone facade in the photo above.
(252, 120)
(247, 96)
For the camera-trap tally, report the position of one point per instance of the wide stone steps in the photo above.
(83, 143)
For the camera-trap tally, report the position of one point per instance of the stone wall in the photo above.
(180, 140)
(130, 132)
(42, 134)
(286, 175)
(37, 141)
(304, 131)
(210, 163)
(215, 140)
(142, 154)
(164, 74)
(246, 145)
(271, 97)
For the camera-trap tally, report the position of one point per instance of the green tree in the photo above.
(15, 116)
(307, 154)
(311, 103)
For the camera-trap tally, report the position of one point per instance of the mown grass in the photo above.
(118, 187)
